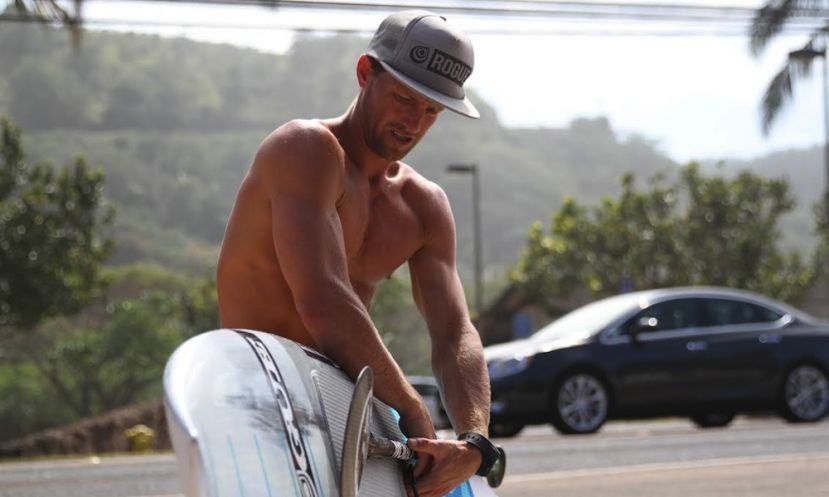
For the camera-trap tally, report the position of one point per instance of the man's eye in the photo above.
(402, 98)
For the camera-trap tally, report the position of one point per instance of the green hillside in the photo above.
(175, 124)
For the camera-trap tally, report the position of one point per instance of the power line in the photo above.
(664, 19)
(514, 8)
(493, 5)
(668, 30)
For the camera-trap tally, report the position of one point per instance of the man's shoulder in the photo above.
(428, 200)
(418, 188)
(301, 135)
(304, 143)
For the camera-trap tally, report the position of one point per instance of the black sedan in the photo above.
(705, 353)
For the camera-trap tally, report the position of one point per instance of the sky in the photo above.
(696, 97)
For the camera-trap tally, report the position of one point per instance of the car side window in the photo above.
(723, 312)
(670, 315)
(424, 389)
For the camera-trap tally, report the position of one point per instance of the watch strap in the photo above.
(489, 452)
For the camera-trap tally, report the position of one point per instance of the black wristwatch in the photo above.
(489, 452)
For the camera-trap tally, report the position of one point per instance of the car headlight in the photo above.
(500, 368)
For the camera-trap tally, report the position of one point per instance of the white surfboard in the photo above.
(251, 414)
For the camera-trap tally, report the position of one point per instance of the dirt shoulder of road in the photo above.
(101, 434)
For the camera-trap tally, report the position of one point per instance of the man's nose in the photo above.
(413, 118)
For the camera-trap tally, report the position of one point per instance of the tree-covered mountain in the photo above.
(175, 124)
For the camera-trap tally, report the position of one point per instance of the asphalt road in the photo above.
(752, 457)
(665, 458)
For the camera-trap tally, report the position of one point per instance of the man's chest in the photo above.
(381, 231)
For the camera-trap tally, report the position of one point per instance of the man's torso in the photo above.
(381, 230)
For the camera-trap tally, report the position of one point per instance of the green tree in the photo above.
(698, 231)
(91, 364)
(118, 362)
(729, 234)
(52, 241)
(27, 403)
(200, 305)
(107, 356)
(194, 295)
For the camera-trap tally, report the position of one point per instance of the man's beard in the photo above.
(380, 147)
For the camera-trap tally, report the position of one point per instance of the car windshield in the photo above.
(589, 319)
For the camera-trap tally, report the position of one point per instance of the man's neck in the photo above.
(348, 129)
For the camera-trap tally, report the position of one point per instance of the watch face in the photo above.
(499, 469)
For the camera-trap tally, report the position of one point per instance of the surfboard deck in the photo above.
(254, 414)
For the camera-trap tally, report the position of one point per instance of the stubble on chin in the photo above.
(384, 150)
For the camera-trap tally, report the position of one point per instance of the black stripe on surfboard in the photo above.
(313, 354)
(308, 486)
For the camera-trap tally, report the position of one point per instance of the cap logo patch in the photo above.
(419, 54)
(449, 67)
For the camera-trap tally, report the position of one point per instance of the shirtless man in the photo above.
(327, 211)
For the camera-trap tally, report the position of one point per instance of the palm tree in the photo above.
(769, 22)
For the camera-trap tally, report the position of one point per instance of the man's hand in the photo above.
(451, 462)
(416, 426)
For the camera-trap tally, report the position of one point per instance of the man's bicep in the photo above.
(302, 177)
(307, 238)
(436, 287)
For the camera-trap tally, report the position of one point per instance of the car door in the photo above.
(655, 368)
(738, 344)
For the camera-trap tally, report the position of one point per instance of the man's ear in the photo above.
(364, 70)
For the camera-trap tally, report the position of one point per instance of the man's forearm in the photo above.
(346, 334)
(461, 372)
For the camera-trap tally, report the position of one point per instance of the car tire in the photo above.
(713, 419)
(505, 430)
(580, 404)
(804, 395)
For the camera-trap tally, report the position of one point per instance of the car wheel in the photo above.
(579, 404)
(805, 394)
(505, 430)
(713, 419)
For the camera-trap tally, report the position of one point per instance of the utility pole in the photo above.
(472, 169)
(805, 55)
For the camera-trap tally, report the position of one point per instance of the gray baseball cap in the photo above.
(425, 53)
